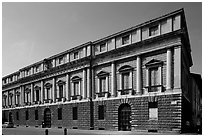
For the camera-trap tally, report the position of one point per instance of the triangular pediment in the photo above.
(102, 73)
(125, 68)
(154, 62)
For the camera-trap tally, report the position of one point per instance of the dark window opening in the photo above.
(102, 47)
(59, 113)
(17, 115)
(27, 115)
(101, 112)
(74, 113)
(36, 114)
(76, 55)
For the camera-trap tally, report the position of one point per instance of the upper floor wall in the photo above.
(154, 28)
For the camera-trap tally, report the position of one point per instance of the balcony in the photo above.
(155, 88)
(37, 102)
(102, 94)
(62, 99)
(27, 103)
(125, 92)
(47, 100)
(76, 97)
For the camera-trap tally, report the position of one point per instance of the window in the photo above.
(102, 47)
(153, 76)
(37, 98)
(60, 91)
(153, 110)
(103, 84)
(36, 114)
(101, 112)
(48, 93)
(4, 81)
(74, 113)
(17, 98)
(59, 113)
(154, 30)
(125, 40)
(60, 60)
(37, 68)
(27, 115)
(125, 80)
(11, 78)
(76, 88)
(17, 115)
(76, 55)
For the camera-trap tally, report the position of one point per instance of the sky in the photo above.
(34, 31)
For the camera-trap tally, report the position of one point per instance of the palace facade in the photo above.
(137, 79)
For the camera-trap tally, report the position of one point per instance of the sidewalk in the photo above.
(56, 131)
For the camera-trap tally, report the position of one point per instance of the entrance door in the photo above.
(47, 118)
(124, 114)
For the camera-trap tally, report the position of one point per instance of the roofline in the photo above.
(141, 25)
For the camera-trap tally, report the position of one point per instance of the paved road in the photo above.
(56, 131)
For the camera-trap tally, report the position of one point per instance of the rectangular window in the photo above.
(153, 110)
(125, 40)
(154, 76)
(36, 114)
(37, 68)
(60, 60)
(101, 112)
(27, 115)
(125, 80)
(60, 91)
(4, 81)
(76, 55)
(74, 113)
(17, 115)
(154, 30)
(76, 88)
(102, 47)
(59, 113)
(37, 95)
(103, 84)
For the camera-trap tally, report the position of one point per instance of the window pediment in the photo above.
(48, 85)
(27, 90)
(4, 96)
(76, 78)
(10, 94)
(102, 73)
(125, 68)
(36, 88)
(154, 62)
(60, 82)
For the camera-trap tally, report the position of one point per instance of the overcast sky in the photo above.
(34, 31)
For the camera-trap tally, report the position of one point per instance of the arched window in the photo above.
(76, 88)
(4, 100)
(10, 99)
(125, 74)
(102, 84)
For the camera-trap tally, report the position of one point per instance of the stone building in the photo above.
(136, 79)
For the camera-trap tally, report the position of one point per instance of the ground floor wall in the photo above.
(168, 107)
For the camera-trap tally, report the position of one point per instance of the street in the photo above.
(56, 131)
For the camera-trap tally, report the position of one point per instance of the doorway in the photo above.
(124, 117)
(47, 118)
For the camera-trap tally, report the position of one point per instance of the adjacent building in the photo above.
(137, 79)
